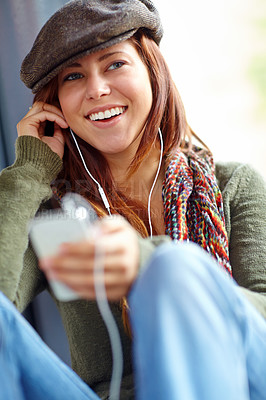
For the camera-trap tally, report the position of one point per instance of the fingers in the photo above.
(33, 122)
(58, 133)
(79, 276)
(119, 257)
(111, 224)
(53, 113)
(40, 106)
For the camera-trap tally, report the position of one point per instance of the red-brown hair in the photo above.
(167, 112)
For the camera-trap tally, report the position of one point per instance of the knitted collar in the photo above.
(193, 205)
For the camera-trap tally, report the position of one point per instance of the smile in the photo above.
(112, 112)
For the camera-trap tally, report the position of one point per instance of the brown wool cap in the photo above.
(82, 27)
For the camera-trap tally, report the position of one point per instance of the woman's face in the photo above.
(106, 98)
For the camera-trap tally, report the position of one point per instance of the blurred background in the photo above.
(217, 55)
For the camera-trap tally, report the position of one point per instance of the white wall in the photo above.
(214, 49)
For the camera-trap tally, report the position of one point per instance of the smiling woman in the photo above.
(183, 261)
(99, 83)
(127, 145)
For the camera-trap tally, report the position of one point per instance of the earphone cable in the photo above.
(107, 316)
(100, 189)
(155, 179)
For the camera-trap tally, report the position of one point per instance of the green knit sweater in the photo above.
(26, 184)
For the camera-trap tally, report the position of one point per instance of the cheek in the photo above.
(63, 103)
(145, 98)
(140, 93)
(67, 102)
(145, 91)
(149, 97)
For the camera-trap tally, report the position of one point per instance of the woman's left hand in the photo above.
(74, 263)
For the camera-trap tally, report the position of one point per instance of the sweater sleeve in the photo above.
(23, 187)
(245, 211)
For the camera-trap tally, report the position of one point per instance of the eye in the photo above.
(73, 76)
(116, 65)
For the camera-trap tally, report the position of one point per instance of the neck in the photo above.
(138, 185)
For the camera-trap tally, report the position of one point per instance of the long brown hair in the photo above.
(167, 112)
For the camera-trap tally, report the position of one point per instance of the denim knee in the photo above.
(178, 270)
(171, 261)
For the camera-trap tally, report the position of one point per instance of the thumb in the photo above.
(58, 134)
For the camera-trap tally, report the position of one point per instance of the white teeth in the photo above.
(107, 113)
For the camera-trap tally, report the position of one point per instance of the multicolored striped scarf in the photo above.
(193, 206)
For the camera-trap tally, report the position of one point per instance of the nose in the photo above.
(96, 87)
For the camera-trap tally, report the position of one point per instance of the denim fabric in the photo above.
(29, 369)
(195, 335)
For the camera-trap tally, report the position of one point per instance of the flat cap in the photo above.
(82, 27)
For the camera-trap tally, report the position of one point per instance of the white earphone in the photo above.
(100, 189)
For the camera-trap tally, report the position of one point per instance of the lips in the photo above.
(106, 114)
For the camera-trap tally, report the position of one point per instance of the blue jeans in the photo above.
(195, 338)
(195, 335)
(29, 370)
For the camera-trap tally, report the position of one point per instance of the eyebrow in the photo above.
(101, 58)
(104, 56)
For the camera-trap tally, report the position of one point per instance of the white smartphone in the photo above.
(49, 230)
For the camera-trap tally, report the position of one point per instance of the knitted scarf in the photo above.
(193, 209)
(193, 206)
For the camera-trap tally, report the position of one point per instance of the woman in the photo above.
(196, 335)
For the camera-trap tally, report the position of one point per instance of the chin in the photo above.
(113, 151)
(117, 148)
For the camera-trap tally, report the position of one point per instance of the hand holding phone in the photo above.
(72, 223)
